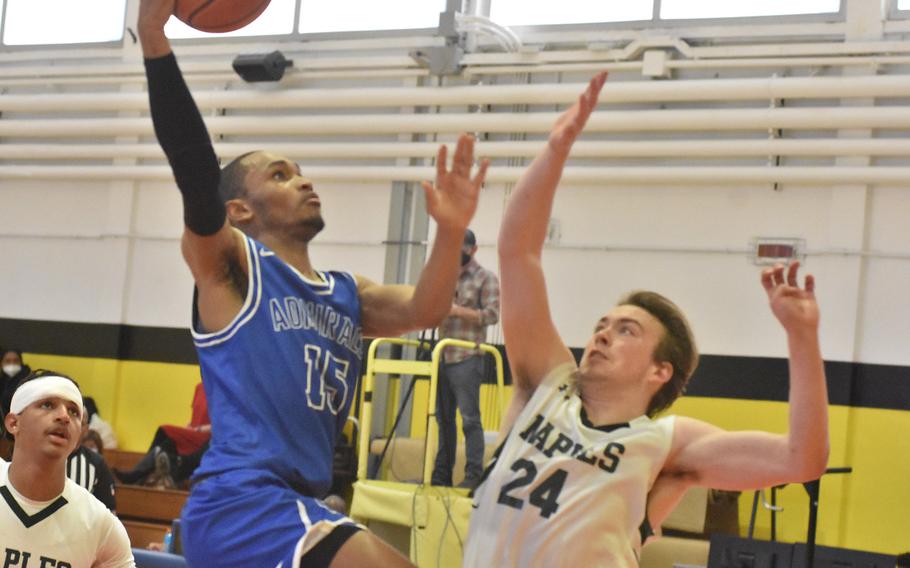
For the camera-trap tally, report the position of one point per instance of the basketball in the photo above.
(219, 16)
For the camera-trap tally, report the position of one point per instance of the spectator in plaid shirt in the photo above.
(475, 307)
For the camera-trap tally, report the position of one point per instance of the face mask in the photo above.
(465, 258)
(11, 369)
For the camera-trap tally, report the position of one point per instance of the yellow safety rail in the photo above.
(418, 368)
(385, 366)
(432, 427)
(435, 517)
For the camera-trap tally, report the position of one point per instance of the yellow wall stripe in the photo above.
(865, 510)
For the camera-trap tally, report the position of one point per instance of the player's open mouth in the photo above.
(58, 435)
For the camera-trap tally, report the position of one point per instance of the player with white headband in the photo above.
(44, 516)
(49, 386)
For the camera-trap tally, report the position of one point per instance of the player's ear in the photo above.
(663, 371)
(238, 211)
(11, 422)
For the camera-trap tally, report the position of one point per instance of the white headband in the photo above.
(45, 387)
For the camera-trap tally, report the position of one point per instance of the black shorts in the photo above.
(325, 550)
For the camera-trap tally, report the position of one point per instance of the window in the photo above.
(524, 13)
(278, 19)
(363, 15)
(38, 22)
(691, 9)
(903, 4)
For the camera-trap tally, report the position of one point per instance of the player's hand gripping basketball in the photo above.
(153, 14)
(572, 122)
(794, 307)
(452, 200)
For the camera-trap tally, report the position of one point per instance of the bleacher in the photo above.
(147, 513)
(122, 460)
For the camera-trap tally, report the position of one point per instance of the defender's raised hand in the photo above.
(453, 199)
(795, 307)
(572, 122)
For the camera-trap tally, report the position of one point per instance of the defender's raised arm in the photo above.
(532, 343)
(751, 460)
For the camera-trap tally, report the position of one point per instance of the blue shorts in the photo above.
(251, 518)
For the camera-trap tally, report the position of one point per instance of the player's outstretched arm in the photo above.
(211, 249)
(715, 458)
(390, 310)
(153, 15)
(532, 343)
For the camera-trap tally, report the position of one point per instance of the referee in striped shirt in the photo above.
(88, 469)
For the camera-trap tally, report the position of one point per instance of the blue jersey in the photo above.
(281, 376)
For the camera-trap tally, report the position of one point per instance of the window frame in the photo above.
(296, 36)
(824, 17)
(655, 23)
(655, 6)
(895, 13)
(4, 47)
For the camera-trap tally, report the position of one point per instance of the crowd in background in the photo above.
(174, 453)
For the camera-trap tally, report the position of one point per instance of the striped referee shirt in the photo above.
(88, 469)
(477, 289)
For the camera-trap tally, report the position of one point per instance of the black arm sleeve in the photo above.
(186, 143)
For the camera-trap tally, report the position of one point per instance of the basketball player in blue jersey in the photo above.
(583, 464)
(279, 341)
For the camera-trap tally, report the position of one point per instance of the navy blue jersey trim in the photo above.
(31, 520)
(602, 427)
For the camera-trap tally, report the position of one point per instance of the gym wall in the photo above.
(94, 285)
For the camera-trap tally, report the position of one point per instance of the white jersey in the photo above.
(562, 492)
(75, 530)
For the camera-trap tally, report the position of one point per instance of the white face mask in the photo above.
(11, 369)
